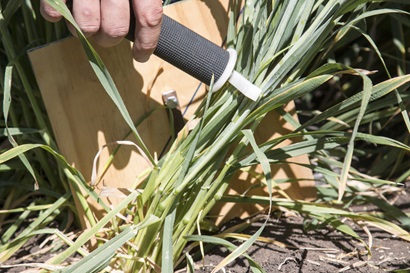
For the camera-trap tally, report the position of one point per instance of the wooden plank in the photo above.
(272, 126)
(84, 118)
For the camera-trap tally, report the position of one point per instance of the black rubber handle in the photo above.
(187, 50)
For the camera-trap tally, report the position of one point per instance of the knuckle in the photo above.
(151, 17)
(116, 32)
(88, 27)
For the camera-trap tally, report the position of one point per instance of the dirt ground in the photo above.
(295, 250)
(315, 251)
(321, 250)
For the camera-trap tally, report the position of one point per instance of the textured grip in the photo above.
(188, 51)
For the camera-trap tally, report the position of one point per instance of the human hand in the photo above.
(108, 21)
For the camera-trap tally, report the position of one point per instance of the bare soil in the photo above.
(296, 249)
(319, 250)
(315, 251)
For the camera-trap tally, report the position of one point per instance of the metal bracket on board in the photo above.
(170, 100)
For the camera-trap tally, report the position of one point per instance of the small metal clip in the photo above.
(170, 100)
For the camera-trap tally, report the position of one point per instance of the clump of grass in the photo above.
(289, 49)
(32, 188)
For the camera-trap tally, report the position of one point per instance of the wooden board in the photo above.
(84, 118)
(272, 126)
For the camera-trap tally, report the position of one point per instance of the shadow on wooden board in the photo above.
(84, 118)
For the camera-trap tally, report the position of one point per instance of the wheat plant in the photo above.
(288, 48)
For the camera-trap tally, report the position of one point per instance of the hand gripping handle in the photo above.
(191, 52)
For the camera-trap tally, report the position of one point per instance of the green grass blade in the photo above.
(322, 209)
(263, 160)
(390, 210)
(101, 257)
(10, 9)
(219, 241)
(167, 247)
(367, 89)
(13, 58)
(190, 267)
(338, 225)
(72, 174)
(286, 94)
(6, 108)
(7, 250)
(89, 234)
(17, 131)
(60, 235)
(16, 151)
(379, 90)
(8, 234)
